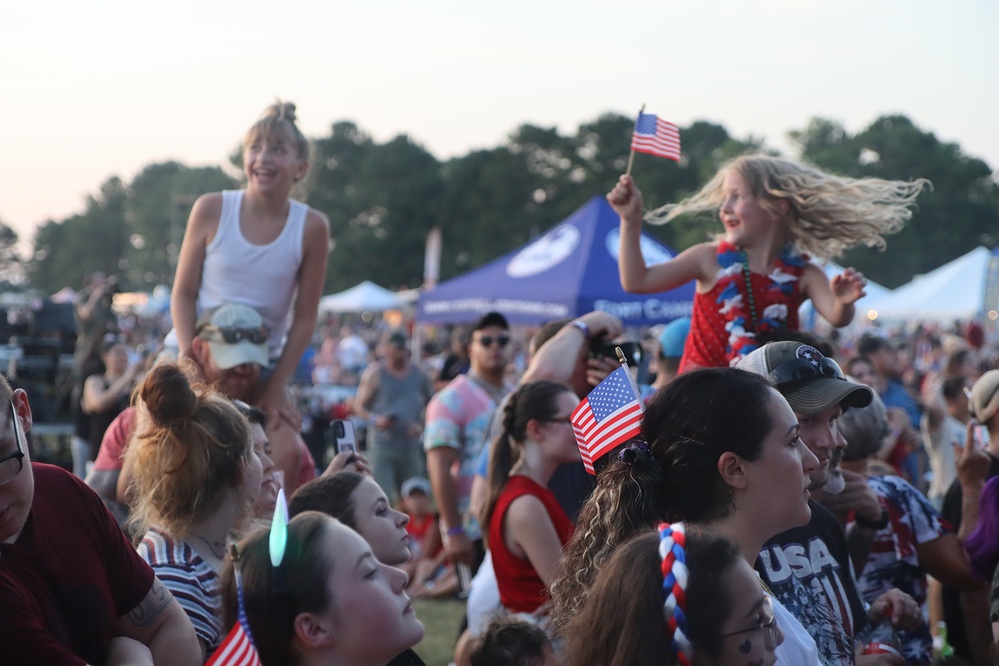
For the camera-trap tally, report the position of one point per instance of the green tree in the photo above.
(11, 268)
(65, 252)
(159, 202)
(382, 201)
(958, 214)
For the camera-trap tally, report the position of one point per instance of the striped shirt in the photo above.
(192, 582)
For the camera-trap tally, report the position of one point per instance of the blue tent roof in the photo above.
(569, 271)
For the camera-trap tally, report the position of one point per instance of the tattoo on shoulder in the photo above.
(151, 606)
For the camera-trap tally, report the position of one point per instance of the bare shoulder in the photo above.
(316, 220)
(811, 277)
(205, 214)
(704, 258)
(526, 509)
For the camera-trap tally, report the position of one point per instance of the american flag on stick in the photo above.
(656, 137)
(608, 417)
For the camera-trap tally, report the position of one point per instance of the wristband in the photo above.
(878, 524)
(581, 325)
(457, 530)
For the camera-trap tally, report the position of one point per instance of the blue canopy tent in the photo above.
(569, 271)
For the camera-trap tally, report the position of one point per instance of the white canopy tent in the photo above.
(364, 297)
(956, 290)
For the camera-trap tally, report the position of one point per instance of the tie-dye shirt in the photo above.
(458, 417)
(893, 561)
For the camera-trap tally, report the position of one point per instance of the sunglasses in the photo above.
(231, 335)
(800, 370)
(488, 340)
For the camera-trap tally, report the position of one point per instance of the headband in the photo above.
(672, 542)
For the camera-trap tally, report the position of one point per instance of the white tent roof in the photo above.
(364, 297)
(956, 290)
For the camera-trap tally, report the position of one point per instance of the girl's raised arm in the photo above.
(637, 277)
(833, 300)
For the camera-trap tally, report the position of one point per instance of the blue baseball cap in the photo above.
(674, 337)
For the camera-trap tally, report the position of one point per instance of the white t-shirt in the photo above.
(939, 445)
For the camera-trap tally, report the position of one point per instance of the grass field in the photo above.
(441, 618)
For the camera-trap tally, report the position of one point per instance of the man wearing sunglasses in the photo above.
(808, 568)
(72, 588)
(457, 418)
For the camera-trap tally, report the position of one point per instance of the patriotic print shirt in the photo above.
(192, 582)
(893, 561)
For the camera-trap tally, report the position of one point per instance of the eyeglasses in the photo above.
(231, 335)
(799, 370)
(769, 623)
(488, 340)
(12, 463)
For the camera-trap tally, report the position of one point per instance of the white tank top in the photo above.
(261, 276)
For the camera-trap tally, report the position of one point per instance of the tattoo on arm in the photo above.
(151, 606)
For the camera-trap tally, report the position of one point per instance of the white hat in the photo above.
(235, 334)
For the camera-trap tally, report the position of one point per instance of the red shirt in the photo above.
(67, 579)
(707, 343)
(521, 588)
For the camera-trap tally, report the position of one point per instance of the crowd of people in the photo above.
(773, 508)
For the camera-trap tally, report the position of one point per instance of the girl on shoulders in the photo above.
(258, 247)
(754, 277)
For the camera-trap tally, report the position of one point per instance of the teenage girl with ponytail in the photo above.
(527, 527)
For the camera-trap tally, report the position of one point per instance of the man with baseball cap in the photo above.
(966, 614)
(808, 568)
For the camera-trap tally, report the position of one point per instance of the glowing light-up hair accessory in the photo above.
(279, 530)
(672, 545)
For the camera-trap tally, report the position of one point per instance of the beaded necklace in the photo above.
(743, 321)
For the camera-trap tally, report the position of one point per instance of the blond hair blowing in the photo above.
(827, 214)
(188, 457)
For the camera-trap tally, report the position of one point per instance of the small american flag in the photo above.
(656, 137)
(609, 416)
(237, 649)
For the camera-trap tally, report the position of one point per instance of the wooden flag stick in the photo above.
(631, 155)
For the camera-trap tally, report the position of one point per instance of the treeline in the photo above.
(383, 198)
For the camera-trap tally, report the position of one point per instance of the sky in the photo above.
(104, 88)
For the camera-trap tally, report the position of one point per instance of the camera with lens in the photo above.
(600, 348)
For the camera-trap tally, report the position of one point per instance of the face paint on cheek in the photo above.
(745, 647)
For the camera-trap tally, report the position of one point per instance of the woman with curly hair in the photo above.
(723, 454)
(752, 278)
(195, 477)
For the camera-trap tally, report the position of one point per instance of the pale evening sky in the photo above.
(106, 87)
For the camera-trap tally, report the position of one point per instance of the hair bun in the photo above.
(168, 395)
